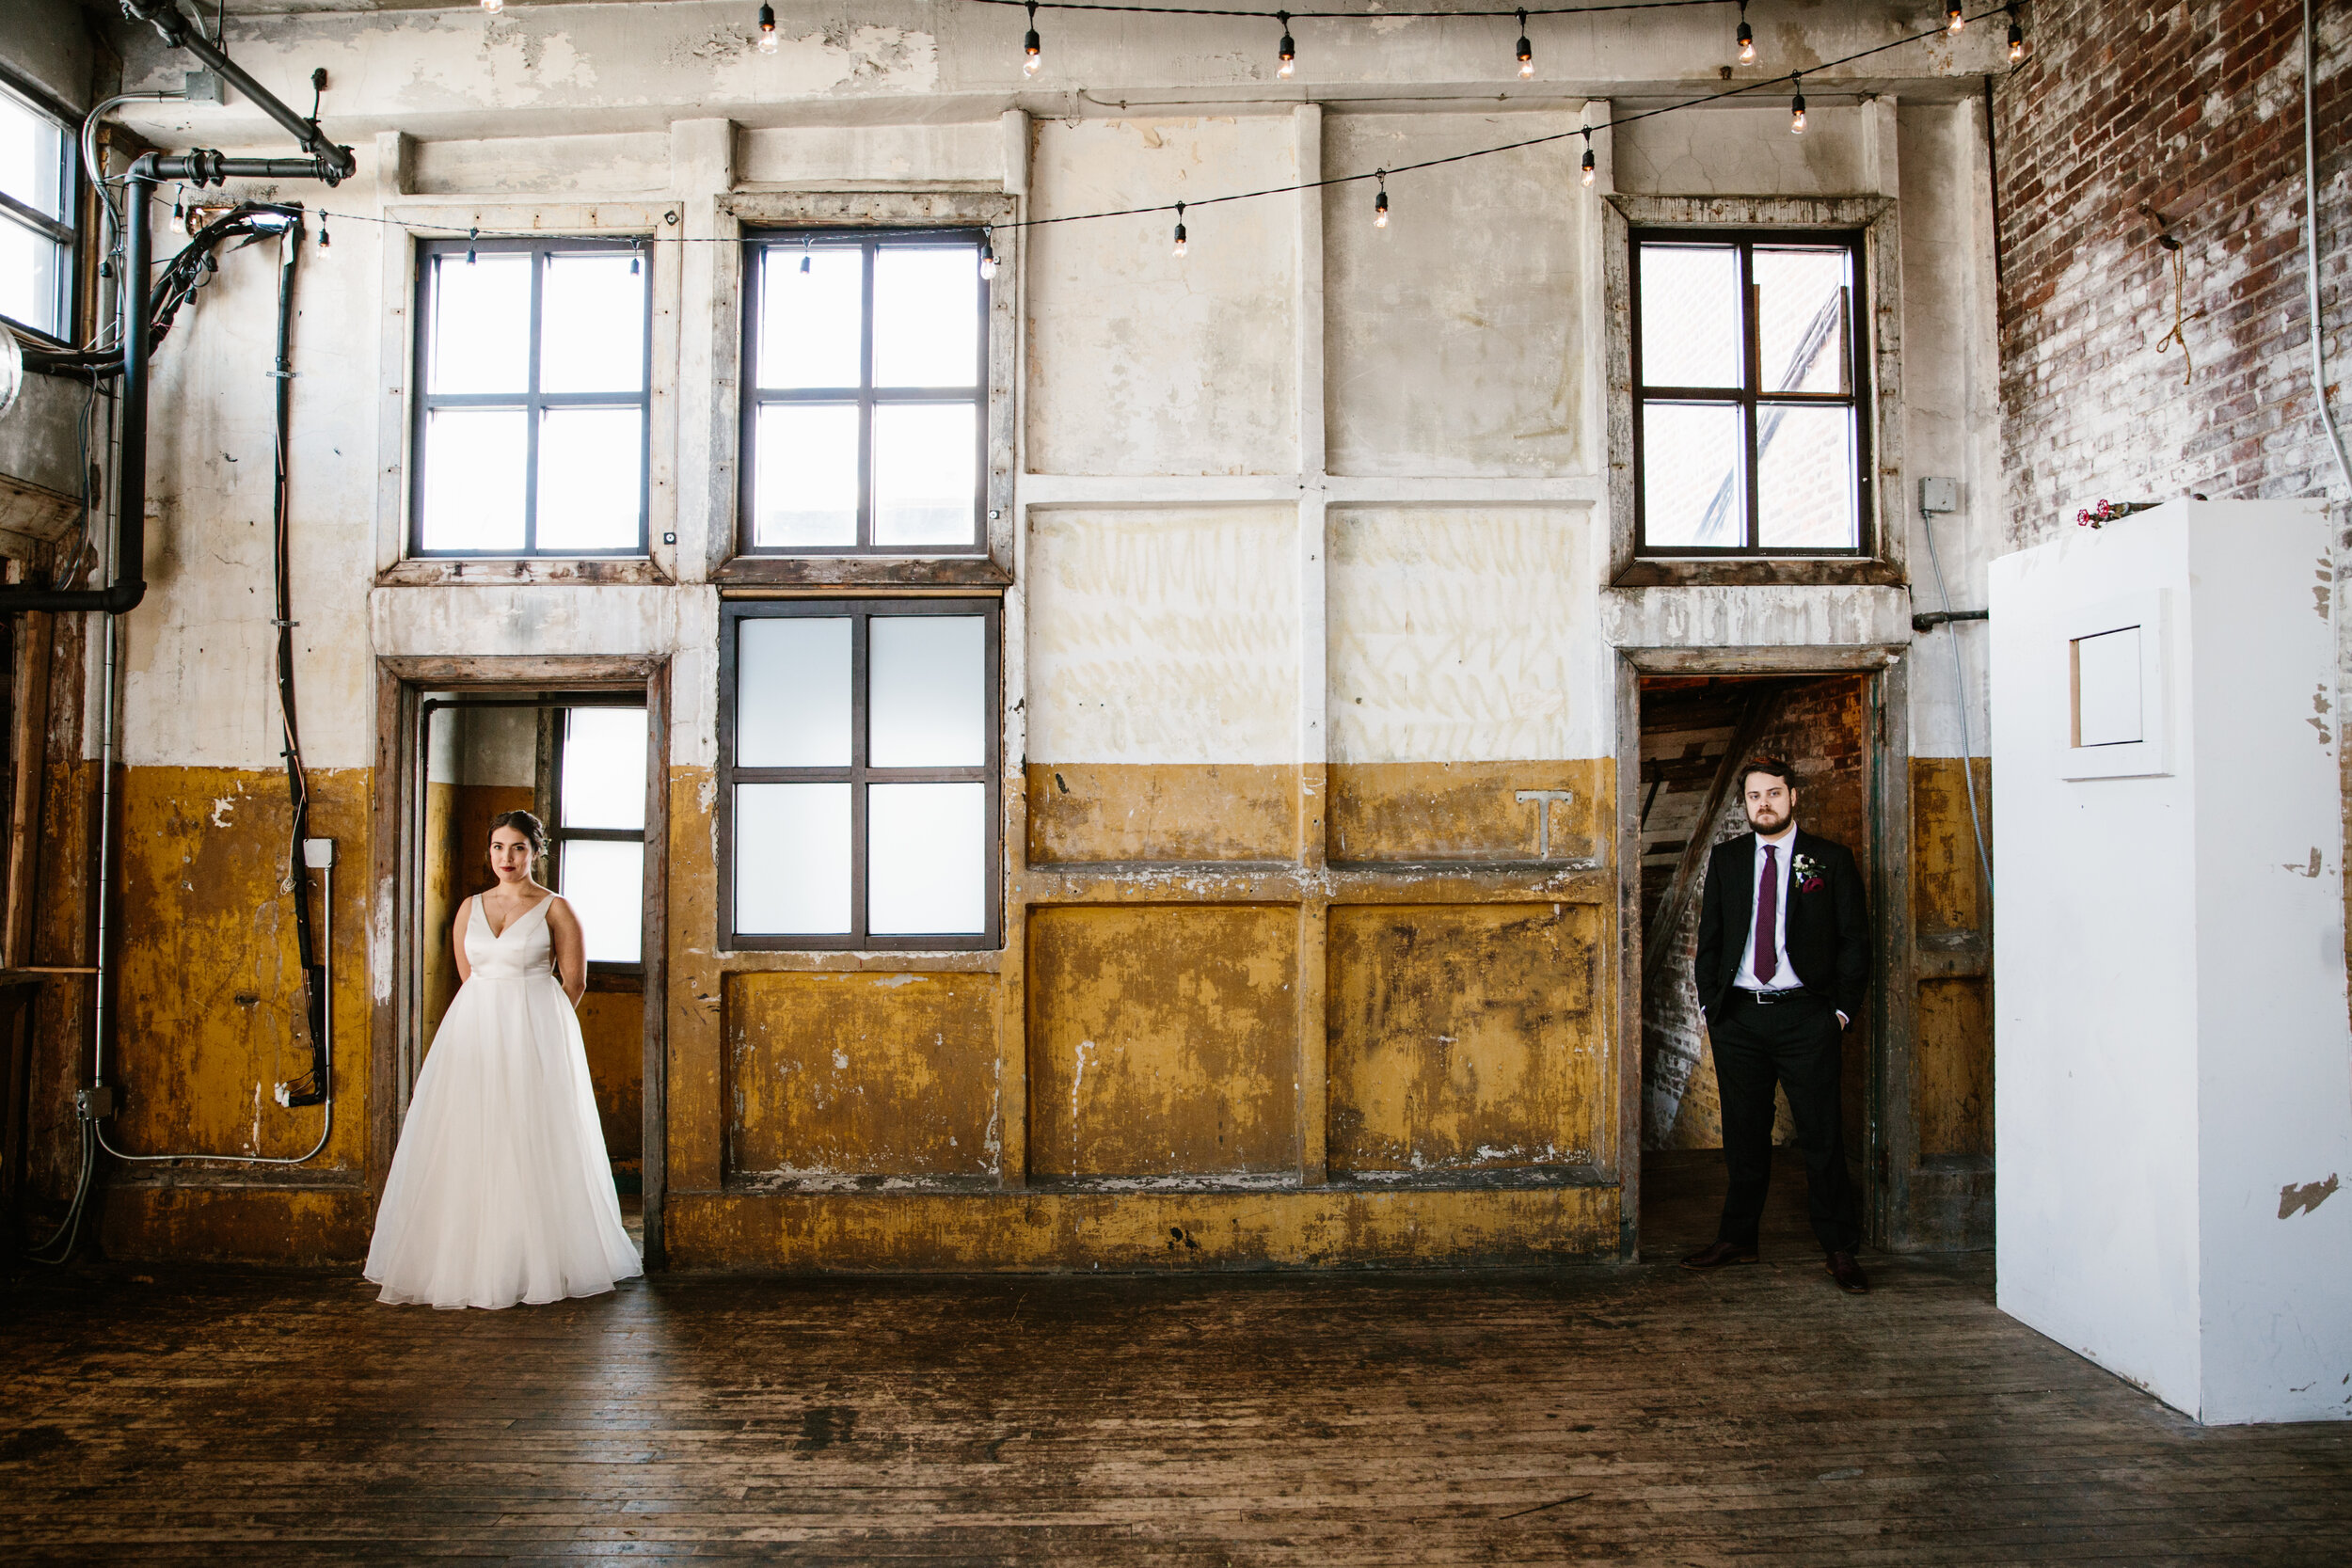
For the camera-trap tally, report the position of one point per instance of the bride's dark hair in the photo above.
(525, 824)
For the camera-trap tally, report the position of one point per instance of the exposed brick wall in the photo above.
(2196, 110)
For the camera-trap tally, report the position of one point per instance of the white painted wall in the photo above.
(2173, 1063)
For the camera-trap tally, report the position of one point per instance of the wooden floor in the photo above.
(1598, 1414)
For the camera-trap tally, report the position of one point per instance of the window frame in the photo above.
(533, 401)
(65, 233)
(870, 238)
(858, 774)
(1750, 397)
(559, 835)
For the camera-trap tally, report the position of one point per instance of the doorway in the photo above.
(590, 761)
(1695, 731)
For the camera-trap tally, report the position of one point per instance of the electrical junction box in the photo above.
(318, 853)
(1939, 495)
(95, 1104)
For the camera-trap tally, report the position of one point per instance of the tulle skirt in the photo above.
(501, 1191)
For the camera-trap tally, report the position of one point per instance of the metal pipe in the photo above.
(335, 163)
(1928, 620)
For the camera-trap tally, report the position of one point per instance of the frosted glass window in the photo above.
(480, 324)
(472, 496)
(812, 317)
(1805, 476)
(792, 859)
(926, 474)
(792, 694)
(604, 881)
(2108, 688)
(926, 317)
(36, 246)
(591, 471)
(1801, 319)
(930, 702)
(603, 780)
(591, 325)
(32, 157)
(32, 276)
(1691, 316)
(807, 462)
(1690, 490)
(927, 859)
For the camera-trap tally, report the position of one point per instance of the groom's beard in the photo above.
(1767, 822)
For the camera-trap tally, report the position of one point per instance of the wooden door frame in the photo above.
(401, 683)
(1891, 1124)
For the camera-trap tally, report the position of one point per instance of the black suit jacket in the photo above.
(1828, 935)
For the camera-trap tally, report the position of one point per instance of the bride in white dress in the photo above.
(501, 1191)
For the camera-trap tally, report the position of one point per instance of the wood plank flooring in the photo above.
(1594, 1415)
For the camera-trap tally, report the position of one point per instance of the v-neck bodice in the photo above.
(522, 950)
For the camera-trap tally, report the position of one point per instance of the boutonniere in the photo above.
(1808, 872)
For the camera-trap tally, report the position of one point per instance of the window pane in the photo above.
(929, 707)
(927, 316)
(473, 479)
(590, 478)
(926, 866)
(604, 768)
(1806, 479)
(926, 474)
(31, 267)
(591, 325)
(32, 159)
(1691, 467)
(812, 321)
(792, 859)
(605, 884)
(804, 476)
(1801, 319)
(1690, 315)
(480, 324)
(792, 693)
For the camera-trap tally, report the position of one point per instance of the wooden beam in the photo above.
(1762, 710)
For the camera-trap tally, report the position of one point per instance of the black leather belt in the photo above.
(1769, 998)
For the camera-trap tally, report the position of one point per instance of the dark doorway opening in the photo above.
(1695, 733)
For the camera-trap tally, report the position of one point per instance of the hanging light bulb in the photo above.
(1796, 107)
(1288, 51)
(494, 7)
(1588, 156)
(1527, 50)
(635, 252)
(325, 239)
(2016, 38)
(1030, 46)
(1179, 229)
(471, 235)
(1953, 20)
(988, 255)
(767, 29)
(1380, 202)
(1746, 36)
(804, 253)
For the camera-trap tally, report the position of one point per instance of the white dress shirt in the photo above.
(1784, 977)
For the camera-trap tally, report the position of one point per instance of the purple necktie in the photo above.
(1768, 918)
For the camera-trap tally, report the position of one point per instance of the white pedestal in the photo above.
(2173, 1058)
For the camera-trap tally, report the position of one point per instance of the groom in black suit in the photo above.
(1783, 961)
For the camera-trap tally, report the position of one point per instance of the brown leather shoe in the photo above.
(1848, 1273)
(1716, 1254)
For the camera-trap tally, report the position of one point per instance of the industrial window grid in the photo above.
(562, 836)
(866, 395)
(531, 401)
(859, 773)
(53, 226)
(1755, 404)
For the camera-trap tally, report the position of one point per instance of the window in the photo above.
(1750, 437)
(37, 193)
(532, 358)
(598, 826)
(858, 774)
(865, 392)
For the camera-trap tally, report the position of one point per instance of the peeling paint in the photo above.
(2306, 1199)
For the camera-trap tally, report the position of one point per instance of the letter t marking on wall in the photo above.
(1543, 815)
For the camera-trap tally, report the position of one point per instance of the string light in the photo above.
(1289, 50)
(1746, 37)
(804, 253)
(988, 255)
(324, 238)
(494, 7)
(1588, 154)
(1179, 229)
(1030, 46)
(1796, 105)
(1380, 202)
(471, 235)
(2016, 38)
(1953, 18)
(767, 29)
(1527, 50)
(636, 250)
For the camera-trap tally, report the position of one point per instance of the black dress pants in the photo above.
(1797, 1041)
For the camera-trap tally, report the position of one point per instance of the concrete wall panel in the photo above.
(1743, 150)
(1470, 811)
(1098, 812)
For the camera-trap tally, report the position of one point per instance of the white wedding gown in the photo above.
(501, 1191)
